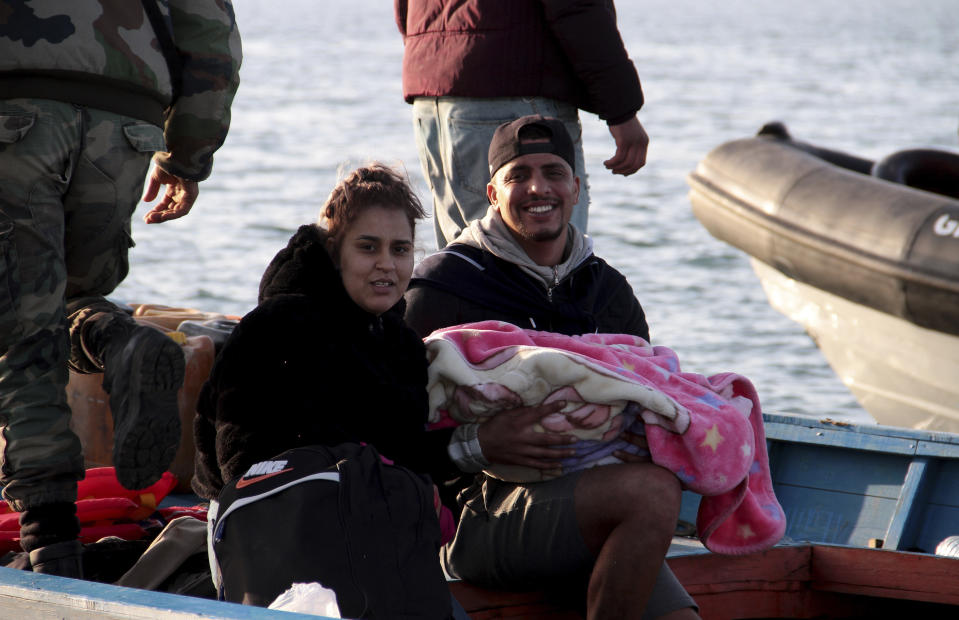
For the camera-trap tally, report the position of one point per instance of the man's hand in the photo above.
(631, 144)
(509, 438)
(176, 202)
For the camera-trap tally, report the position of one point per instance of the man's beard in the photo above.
(541, 235)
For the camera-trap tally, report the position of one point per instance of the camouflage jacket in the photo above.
(105, 54)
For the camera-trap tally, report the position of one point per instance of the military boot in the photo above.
(64, 559)
(143, 370)
(48, 533)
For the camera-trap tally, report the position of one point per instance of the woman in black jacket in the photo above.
(325, 357)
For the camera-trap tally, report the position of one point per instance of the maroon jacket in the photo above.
(568, 50)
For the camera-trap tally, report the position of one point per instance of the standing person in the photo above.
(89, 91)
(469, 66)
(326, 359)
(525, 264)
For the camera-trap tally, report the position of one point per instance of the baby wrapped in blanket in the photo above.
(708, 431)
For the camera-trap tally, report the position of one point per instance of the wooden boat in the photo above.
(821, 581)
(866, 505)
(865, 255)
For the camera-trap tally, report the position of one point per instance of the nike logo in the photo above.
(245, 482)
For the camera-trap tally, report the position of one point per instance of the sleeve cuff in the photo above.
(464, 449)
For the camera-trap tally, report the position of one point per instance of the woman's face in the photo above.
(376, 258)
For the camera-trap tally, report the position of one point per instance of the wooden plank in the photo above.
(26, 595)
(887, 574)
(833, 517)
(902, 527)
(945, 487)
(781, 422)
(938, 523)
(851, 438)
(863, 473)
(711, 570)
(939, 449)
(767, 604)
(808, 581)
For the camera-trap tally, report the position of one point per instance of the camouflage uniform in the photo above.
(85, 102)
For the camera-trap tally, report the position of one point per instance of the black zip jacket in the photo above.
(464, 284)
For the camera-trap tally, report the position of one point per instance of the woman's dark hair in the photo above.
(373, 185)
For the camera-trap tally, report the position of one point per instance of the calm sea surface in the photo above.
(321, 89)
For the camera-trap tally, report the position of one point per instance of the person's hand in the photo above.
(640, 442)
(176, 202)
(509, 438)
(631, 144)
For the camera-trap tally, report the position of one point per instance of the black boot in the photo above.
(64, 559)
(48, 533)
(143, 370)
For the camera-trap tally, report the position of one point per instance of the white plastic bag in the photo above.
(308, 598)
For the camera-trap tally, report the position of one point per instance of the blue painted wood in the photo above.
(840, 469)
(902, 527)
(24, 595)
(848, 484)
(834, 517)
(946, 488)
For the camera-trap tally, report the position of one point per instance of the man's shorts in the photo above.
(537, 542)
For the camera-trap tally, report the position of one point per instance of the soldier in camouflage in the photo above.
(90, 91)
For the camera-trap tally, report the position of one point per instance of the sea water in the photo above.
(321, 91)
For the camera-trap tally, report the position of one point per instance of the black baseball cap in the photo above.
(507, 146)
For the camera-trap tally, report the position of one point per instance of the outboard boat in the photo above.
(863, 254)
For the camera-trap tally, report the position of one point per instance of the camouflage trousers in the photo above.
(70, 179)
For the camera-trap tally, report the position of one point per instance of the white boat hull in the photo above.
(902, 374)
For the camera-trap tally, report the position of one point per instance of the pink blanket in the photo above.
(707, 430)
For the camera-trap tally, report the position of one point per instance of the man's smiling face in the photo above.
(535, 195)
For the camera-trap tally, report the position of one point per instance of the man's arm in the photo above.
(197, 123)
(589, 36)
(399, 14)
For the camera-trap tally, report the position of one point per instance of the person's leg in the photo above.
(515, 536)
(453, 136)
(143, 369)
(626, 514)
(41, 455)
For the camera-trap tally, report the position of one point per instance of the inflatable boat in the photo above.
(864, 254)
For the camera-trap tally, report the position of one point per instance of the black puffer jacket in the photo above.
(309, 366)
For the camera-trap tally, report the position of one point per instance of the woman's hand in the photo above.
(510, 438)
